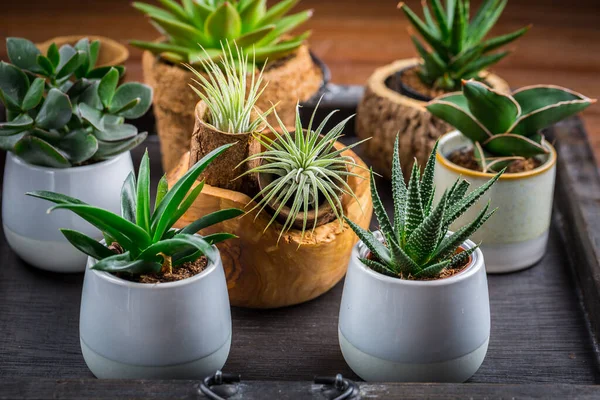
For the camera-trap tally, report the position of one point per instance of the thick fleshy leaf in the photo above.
(252, 13)
(424, 240)
(78, 146)
(83, 45)
(22, 123)
(142, 213)
(399, 192)
(446, 108)
(34, 94)
(379, 267)
(430, 36)
(92, 115)
(499, 41)
(513, 145)
(218, 237)
(379, 210)
(157, 47)
(115, 132)
(128, 201)
(400, 259)
(414, 208)
(161, 190)
(55, 112)
(7, 143)
(223, 24)
(87, 245)
(427, 188)
(495, 110)
(100, 72)
(13, 85)
(53, 55)
(378, 249)
(533, 98)
(211, 219)
(286, 25)
(129, 92)
(253, 37)
(39, 152)
(111, 149)
(65, 70)
(22, 53)
(108, 86)
(90, 96)
(461, 258)
(277, 11)
(432, 271)
(123, 263)
(46, 66)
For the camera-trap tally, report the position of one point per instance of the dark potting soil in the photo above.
(465, 158)
(179, 273)
(410, 79)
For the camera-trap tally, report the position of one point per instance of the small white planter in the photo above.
(174, 330)
(515, 237)
(394, 330)
(33, 233)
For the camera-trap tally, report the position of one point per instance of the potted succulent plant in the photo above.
(396, 94)
(495, 131)
(65, 131)
(291, 72)
(110, 52)
(415, 305)
(154, 302)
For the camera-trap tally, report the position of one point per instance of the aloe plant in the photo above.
(148, 242)
(457, 46)
(417, 243)
(248, 23)
(503, 127)
(307, 170)
(62, 111)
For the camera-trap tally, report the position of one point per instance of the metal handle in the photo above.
(348, 389)
(216, 380)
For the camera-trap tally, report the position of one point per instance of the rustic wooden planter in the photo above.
(262, 273)
(293, 79)
(383, 113)
(111, 51)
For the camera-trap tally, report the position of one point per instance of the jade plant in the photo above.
(417, 244)
(248, 23)
(457, 49)
(503, 127)
(62, 110)
(306, 171)
(141, 241)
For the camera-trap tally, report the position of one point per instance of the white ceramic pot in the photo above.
(394, 330)
(515, 237)
(174, 330)
(33, 233)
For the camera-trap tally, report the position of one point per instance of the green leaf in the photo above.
(123, 263)
(108, 86)
(534, 98)
(399, 192)
(447, 108)
(427, 189)
(152, 11)
(496, 111)
(443, 23)
(285, 25)
(181, 32)
(87, 245)
(115, 132)
(161, 190)
(277, 11)
(211, 219)
(223, 24)
(53, 55)
(100, 72)
(175, 9)
(34, 94)
(13, 86)
(400, 259)
(111, 149)
(54, 197)
(458, 29)
(472, 70)
(424, 239)
(90, 96)
(429, 35)
(414, 209)
(91, 115)
(38, 152)
(432, 271)
(254, 37)
(79, 146)
(65, 70)
(499, 41)
(218, 238)
(55, 112)
(513, 145)
(7, 143)
(461, 258)
(377, 248)
(128, 92)
(485, 19)
(23, 53)
(158, 48)
(143, 194)
(128, 202)
(379, 210)
(46, 66)
(21, 123)
(252, 13)
(379, 267)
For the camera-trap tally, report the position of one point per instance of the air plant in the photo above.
(417, 244)
(146, 240)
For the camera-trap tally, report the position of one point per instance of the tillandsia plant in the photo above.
(230, 92)
(417, 242)
(62, 111)
(457, 46)
(209, 23)
(307, 171)
(505, 128)
(140, 241)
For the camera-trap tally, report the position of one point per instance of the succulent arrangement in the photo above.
(209, 23)
(229, 92)
(457, 46)
(306, 170)
(62, 111)
(417, 242)
(145, 239)
(503, 127)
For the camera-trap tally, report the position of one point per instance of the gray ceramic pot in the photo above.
(34, 234)
(414, 331)
(174, 330)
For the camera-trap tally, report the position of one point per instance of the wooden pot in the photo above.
(383, 113)
(262, 273)
(111, 51)
(292, 79)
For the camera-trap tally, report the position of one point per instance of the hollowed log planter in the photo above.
(111, 51)
(383, 113)
(262, 273)
(292, 79)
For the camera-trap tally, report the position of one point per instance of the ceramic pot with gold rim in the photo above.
(515, 237)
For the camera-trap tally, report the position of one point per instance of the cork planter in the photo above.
(384, 112)
(264, 273)
(111, 51)
(292, 79)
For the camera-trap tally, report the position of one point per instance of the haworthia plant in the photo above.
(417, 243)
(504, 127)
(457, 45)
(62, 111)
(148, 242)
(209, 23)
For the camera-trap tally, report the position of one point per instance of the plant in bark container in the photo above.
(289, 68)
(415, 305)
(455, 48)
(65, 131)
(495, 131)
(146, 277)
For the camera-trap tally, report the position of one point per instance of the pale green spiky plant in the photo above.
(229, 92)
(417, 244)
(307, 170)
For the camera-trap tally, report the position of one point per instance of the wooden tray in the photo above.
(545, 320)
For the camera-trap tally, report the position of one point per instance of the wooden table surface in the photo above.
(355, 36)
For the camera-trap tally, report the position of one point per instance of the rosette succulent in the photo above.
(209, 23)
(416, 243)
(457, 46)
(61, 110)
(503, 127)
(141, 241)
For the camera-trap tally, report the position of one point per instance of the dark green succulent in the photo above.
(148, 242)
(62, 111)
(457, 46)
(212, 23)
(417, 243)
(503, 127)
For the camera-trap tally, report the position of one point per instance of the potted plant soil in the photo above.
(495, 131)
(415, 305)
(396, 94)
(154, 302)
(110, 53)
(65, 131)
(289, 68)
